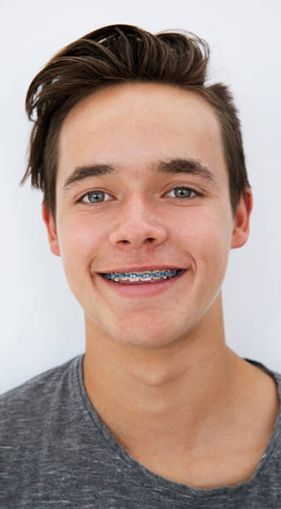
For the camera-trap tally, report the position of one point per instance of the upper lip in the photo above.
(142, 268)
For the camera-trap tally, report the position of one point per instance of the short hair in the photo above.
(117, 54)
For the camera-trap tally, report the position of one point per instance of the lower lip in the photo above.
(142, 289)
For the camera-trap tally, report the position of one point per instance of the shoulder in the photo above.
(33, 423)
(25, 407)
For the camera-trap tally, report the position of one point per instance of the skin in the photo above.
(178, 388)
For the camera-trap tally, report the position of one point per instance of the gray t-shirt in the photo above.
(55, 452)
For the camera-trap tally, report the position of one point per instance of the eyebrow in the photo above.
(171, 166)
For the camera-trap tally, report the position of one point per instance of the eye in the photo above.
(185, 192)
(94, 197)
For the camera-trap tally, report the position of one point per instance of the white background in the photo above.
(41, 322)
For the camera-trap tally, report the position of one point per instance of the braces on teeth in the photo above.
(145, 276)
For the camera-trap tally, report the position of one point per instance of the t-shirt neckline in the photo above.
(153, 480)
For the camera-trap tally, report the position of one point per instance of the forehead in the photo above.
(135, 123)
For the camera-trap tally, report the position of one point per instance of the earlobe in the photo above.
(241, 224)
(51, 229)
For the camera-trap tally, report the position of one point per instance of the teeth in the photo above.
(141, 276)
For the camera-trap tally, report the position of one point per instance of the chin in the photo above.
(147, 337)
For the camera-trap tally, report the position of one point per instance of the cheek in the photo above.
(208, 238)
(81, 240)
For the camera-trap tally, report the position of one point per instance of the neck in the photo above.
(158, 393)
(184, 410)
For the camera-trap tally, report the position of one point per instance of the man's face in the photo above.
(139, 216)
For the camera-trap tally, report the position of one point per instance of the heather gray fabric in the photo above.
(56, 453)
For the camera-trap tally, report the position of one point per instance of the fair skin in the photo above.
(156, 366)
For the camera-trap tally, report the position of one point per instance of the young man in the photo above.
(145, 193)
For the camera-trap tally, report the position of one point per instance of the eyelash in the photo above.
(97, 191)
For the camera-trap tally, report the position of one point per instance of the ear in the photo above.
(241, 222)
(51, 229)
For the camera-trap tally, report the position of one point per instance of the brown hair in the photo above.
(117, 54)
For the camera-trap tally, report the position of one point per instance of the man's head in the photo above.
(123, 54)
(141, 172)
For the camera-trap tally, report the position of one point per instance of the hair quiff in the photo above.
(117, 54)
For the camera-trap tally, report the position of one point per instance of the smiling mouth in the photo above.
(140, 278)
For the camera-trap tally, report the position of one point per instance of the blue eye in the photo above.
(93, 196)
(184, 192)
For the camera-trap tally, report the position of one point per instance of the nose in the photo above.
(136, 226)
